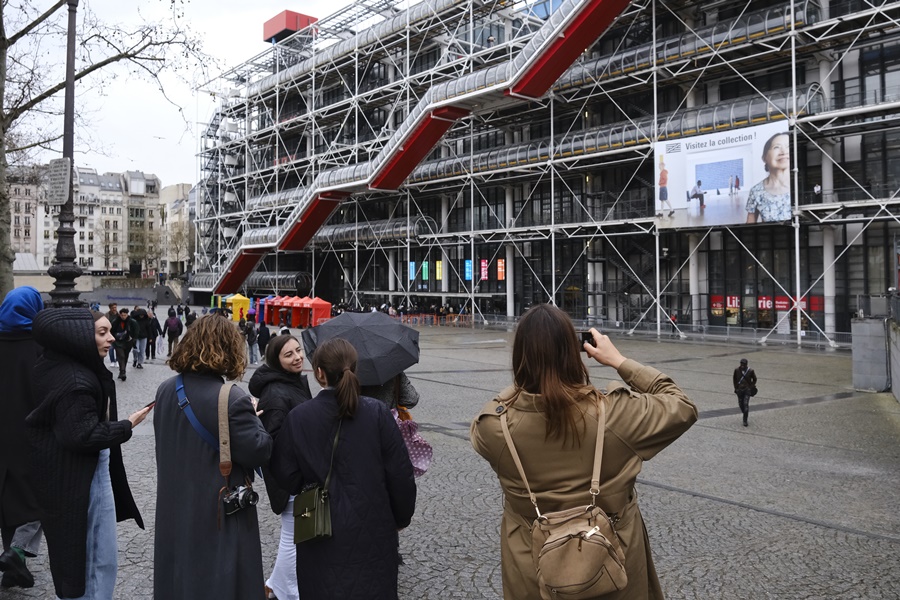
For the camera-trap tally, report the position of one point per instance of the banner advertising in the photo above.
(726, 178)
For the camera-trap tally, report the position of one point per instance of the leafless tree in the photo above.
(181, 243)
(32, 80)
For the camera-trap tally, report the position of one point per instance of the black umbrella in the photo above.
(385, 347)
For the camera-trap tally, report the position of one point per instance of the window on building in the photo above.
(115, 236)
(18, 232)
(16, 220)
(27, 191)
(90, 248)
(107, 223)
(28, 232)
(46, 261)
(90, 235)
(80, 235)
(81, 248)
(90, 261)
(150, 224)
(17, 207)
(81, 222)
(27, 220)
(46, 234)
(119, 210)
(151, 213)
(103, 210)
(16, 191)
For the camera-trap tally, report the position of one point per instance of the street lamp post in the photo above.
(64, 270)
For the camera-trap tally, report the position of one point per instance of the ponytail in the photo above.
(337, 359)
(347, 390)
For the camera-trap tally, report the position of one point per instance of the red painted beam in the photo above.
(237, 274)
(559, 56)
(312, 219)
(419, 143)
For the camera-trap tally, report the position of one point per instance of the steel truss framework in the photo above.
(559, 185)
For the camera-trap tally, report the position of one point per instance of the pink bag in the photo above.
(420, 451)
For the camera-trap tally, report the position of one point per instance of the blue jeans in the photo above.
(254, 353)
(102, 548)
(140, 348)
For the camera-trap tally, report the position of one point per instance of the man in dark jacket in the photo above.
(262, 339)
(19, 511)
(112, 315)
(744, 379)
(125, 330)
(172, 329)
(140, 316)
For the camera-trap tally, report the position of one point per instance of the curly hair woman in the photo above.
(552, 411)
(200, 551)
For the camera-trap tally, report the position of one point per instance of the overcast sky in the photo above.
(137, 128)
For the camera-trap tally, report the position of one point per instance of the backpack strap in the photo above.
(598, 455)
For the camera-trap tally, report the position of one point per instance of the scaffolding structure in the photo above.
(493, 154)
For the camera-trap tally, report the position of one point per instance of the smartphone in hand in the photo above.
(150, 404)
(586, 338)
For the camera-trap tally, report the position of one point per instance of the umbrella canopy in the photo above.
(385, 347)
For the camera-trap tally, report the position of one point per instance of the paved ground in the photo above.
(802, 504)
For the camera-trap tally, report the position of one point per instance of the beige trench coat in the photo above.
(640, 422)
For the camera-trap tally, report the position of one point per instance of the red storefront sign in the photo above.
(733, 301)
(717, 302)
(786, 303)
(764, 302)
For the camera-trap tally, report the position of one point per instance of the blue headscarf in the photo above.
(19, 308)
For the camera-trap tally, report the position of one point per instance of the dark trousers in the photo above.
(743, 397)
(173, 341)
(123, 351)
(151, 348)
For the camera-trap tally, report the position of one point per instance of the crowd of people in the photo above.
(72, 488)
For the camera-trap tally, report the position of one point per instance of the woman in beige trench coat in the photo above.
(550, 409)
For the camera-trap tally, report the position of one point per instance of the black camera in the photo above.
(240, 496)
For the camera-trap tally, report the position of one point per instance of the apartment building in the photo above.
(117, 222)
(24, 187)
(615, 158)
(177, 228)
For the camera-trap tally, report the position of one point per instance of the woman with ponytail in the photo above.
(372, 492)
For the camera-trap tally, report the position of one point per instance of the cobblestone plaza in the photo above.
(801, 504)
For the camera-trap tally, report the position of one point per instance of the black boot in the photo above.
(15, 573)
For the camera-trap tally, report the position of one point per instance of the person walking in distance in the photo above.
(125, 330)
(112, 315)
(744, 379)
(172, 330)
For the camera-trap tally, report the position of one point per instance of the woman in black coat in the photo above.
(75, 438)
(280, 386)
(372, 491)
(18, 507)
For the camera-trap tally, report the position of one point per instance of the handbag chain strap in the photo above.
(331, 464)
(598, 455)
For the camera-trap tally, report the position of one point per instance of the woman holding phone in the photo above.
(76, 439)
(553, 415)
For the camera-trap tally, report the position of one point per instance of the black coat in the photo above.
(18, 354)
(262, 339)
(75, 419)
(278, 392)
(372, 493)
(196, 555)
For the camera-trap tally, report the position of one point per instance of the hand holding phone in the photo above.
(587, 338)
(150, 404)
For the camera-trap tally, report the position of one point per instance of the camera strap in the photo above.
(224, 446)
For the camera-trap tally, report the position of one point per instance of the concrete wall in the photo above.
(124, 292)
(870, 355)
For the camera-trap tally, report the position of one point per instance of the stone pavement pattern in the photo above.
(802, 504)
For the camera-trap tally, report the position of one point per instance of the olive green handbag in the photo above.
(312, 511)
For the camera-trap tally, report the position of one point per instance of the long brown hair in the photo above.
(546, 360)
(337, 359)
(211, 345)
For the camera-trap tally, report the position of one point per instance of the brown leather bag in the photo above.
(576, 551)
